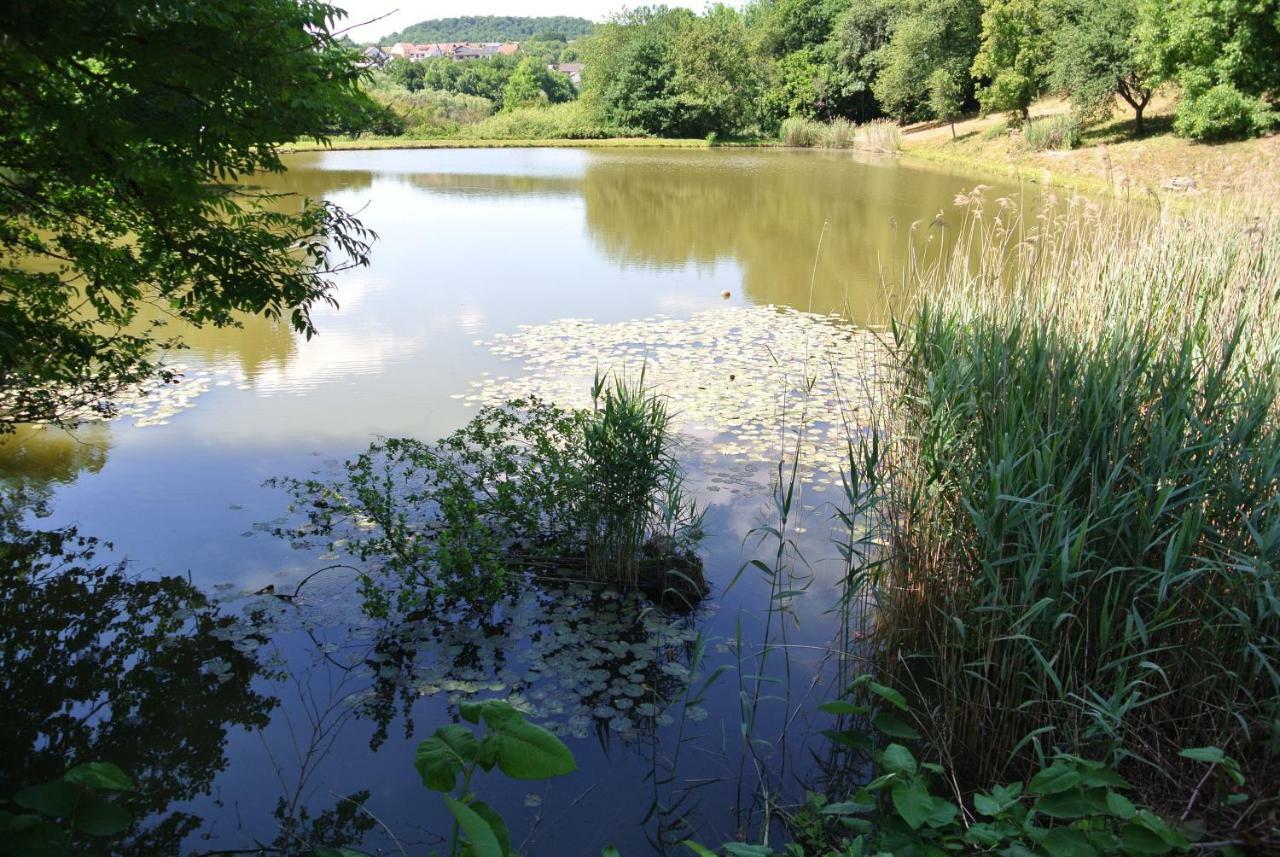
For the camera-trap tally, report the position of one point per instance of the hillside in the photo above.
(489, 28)
(1109, 158)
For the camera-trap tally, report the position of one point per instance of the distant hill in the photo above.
(489, 28)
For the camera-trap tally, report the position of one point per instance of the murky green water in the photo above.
(242, 715)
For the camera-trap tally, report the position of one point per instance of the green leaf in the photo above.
(440, 758)
(897, 759)
(1157, 825)
(698, 849)
(1210, 755)
(742, 849)
(609, 851)
(1139, 841)
(891, 724)
(1068, 842)
(100, 775)
(1053, 779)
(847, 808)
(528, 752)
(57, 799)
(496, 823)
(913, 803)
(943, 813)
(478, 832)
(984, 834)
(470, 711)
(986, 804)
(840, 706)
(889, 694)
(851, 738)
(99, 817)
(1073, 803)
(1120, 806)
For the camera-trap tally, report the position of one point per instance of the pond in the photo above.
(252, 721)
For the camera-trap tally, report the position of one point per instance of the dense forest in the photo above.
(674, 73)
(490, 28)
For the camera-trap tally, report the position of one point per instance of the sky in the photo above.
(402, 13)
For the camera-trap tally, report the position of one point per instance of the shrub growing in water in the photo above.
(523, 487)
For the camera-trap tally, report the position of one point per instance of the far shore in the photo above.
(1111, 162)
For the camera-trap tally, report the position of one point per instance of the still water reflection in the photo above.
(248, 720)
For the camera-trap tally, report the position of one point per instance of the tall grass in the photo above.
(1053, 132)
(799, 132)
(1081, 524)
(877, 136)
(880, 135)
(635, 505)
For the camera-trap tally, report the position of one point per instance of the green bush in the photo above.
(573, 120)
(1221, 112)
(430, 113)
(1053, 132)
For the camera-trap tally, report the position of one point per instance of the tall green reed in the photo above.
(1079, 492)
(635, 504)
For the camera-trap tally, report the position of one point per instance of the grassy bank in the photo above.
(1080, 508)
(1107, 158)
(345, 144)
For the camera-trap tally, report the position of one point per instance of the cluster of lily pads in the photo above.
(153, 402)
(578, 659)
(751, 380)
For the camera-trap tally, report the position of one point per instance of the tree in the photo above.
(927, 35)
(524, 87)
(533, 84)
(1012, 55)
(122, 158)
(858, 39)
(715, 79)
(1225, 56)
(1095, 57)
(630, 77)
(946, 95)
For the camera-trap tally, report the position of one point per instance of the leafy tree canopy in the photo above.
(491, 28)
(1096, 56)
(1012, 55)
(123, 159)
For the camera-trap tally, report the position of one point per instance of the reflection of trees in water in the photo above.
(766, 211)
(34, 460)
(113, 668)
(143, 673)
(578, 660)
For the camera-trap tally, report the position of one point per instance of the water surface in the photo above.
(239, 729)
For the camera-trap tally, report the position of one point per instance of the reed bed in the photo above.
(879, 135)
(1079, 500)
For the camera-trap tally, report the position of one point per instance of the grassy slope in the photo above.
(1110, 159)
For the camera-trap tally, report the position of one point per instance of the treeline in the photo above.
(671, 72)
(491, 28)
